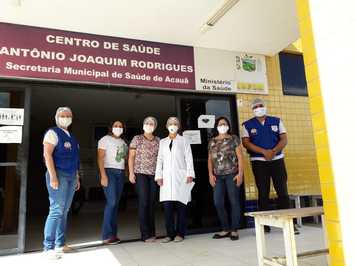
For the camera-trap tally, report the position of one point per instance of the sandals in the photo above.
(232, 235)
(220, 236)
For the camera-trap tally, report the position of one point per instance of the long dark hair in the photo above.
(215, 131)
(111, 126)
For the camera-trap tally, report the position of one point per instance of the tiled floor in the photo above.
(195, 250)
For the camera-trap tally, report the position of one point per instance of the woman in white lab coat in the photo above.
(174, 175)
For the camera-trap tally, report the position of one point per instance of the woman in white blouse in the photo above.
(174, 175)
(111, 157)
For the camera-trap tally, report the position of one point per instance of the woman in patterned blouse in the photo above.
(143, 152)
(225, 168)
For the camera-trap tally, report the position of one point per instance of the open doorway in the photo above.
(94, 109)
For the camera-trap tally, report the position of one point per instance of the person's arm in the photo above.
(211, 175)
(281, 144)
(100, 162)
(268, 154)
(78, 174)
(48, 149)
(283, 138)
(159, 167)
(189, 162)
(131, 159)
(239, 176)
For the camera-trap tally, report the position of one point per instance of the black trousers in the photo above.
(173, 228)
(263, 172)
(146, 189)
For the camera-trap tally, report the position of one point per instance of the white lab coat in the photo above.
(174, 167)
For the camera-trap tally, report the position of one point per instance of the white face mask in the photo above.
(148, 128)
(260, 111)
(64, 122)
(117, 131)
(173, 129)
(222, 129)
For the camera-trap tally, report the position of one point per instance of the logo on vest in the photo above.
(274, 128)
(253, 131)
(67, 145)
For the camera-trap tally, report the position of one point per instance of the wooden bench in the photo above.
(282, 219)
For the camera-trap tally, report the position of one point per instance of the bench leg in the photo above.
(298, 205)
(315, 204)
(290, 243)
(325, 235)
(260, 241)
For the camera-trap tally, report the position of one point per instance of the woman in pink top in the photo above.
(143, 152)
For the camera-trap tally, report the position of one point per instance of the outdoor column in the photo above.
(328, 39)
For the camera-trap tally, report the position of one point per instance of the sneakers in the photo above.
(166, 240)
(150, 240)
(51, 254)
(111, 241)
(178, 239)
(234, 236)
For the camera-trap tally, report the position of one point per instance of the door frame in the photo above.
(23, 162)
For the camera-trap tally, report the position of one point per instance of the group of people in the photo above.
(167, 164)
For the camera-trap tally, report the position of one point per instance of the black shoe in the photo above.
(234, 237)
(295, 229)
(219, 236)
(267, 229)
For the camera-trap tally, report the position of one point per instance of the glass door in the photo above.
(190, 109)
(13, 166)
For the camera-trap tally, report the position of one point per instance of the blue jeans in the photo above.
(226, 183)
(113, 193)
(59, 205)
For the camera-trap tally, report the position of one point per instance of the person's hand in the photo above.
(54, 183)
(268, 154)
(160, 182)
(132, 178)
(238, 179)
(189, 179)
(104, 180)
(77, 184)
(213, 180)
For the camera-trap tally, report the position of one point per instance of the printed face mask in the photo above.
(173, 129)
(64, 122)
(222, 129)
(117, 131)
(260, 111)
(148, 128)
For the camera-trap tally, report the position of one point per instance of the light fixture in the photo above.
(17, 3)
(220, 12)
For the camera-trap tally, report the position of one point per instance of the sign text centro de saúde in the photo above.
(31, 52)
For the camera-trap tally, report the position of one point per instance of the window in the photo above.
(293, 74)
